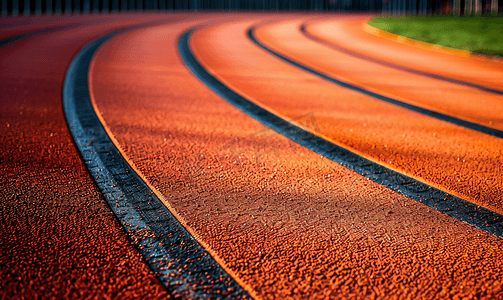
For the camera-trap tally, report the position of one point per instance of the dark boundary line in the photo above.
(424, 111)
(302, 28)
(453, 206)
(183, 266)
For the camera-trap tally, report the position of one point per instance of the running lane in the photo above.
(59, 238)
(464, 102)
(455, 159)
(285, 222)
(348, 33)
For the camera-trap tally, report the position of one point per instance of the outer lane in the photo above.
(58, 236)
(269, 211)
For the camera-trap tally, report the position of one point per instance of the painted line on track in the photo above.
(181, 263)
(427, 112)
(302, 29)
(451, 205)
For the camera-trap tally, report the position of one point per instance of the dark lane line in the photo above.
(302, 28)
(182, 265)
(453, 206)
(50, 29)
(37, 32)
(437, 115)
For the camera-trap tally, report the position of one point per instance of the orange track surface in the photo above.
(284, 221)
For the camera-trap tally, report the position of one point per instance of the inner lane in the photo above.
(283, 220)
(59, 237)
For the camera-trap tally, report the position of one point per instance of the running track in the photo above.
(292, 155)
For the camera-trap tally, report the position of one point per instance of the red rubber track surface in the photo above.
(59, 239)
(284, 221)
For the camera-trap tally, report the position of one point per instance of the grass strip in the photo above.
(477, 34)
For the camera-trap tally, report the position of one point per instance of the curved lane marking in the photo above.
(182, 265)
(306, 33)
(451, 205)
(431, 113)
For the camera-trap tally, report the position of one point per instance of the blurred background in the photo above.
(394, 7)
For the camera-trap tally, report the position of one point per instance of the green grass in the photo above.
(481, 34)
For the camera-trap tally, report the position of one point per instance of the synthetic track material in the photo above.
(453, 206)
(302, 29)
(180, 262)
(424, 111)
